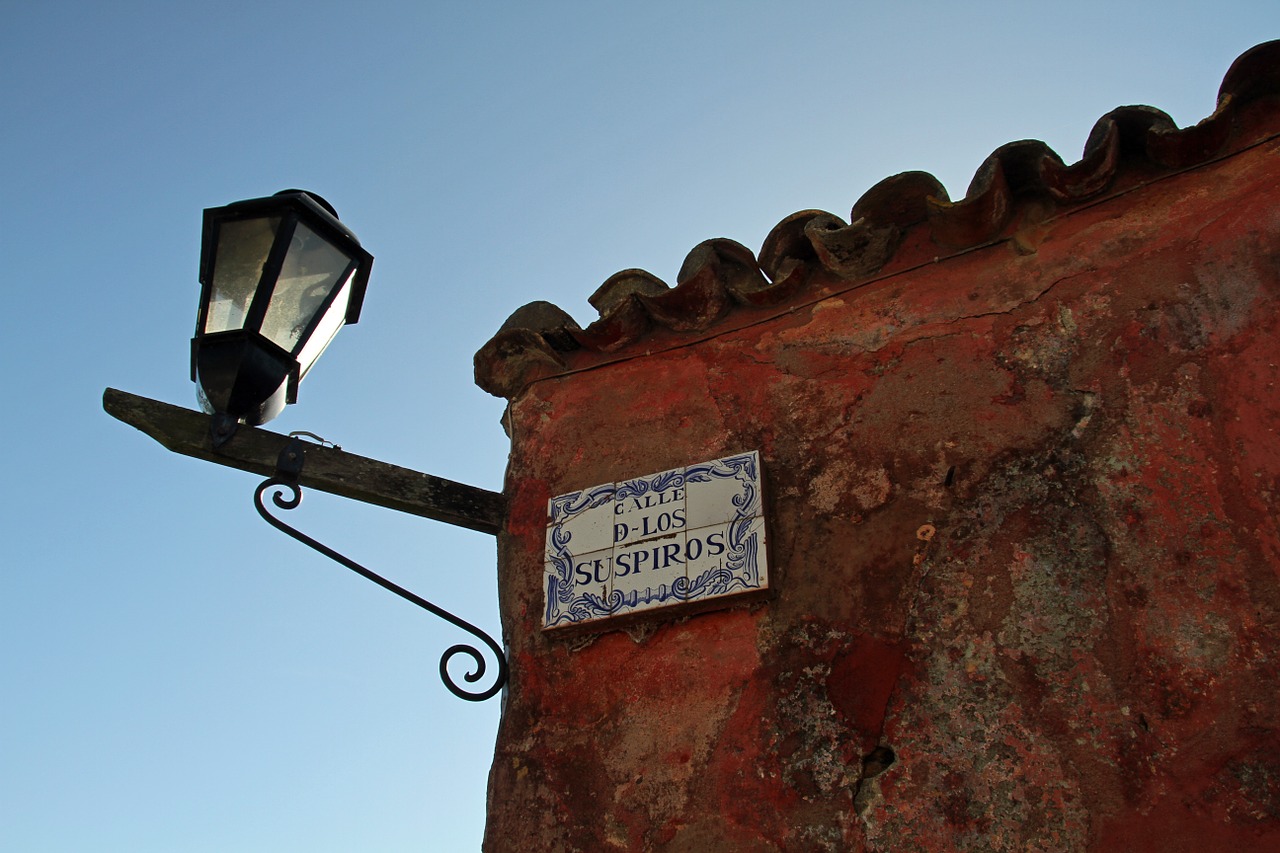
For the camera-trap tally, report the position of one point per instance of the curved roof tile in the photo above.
(719, 277)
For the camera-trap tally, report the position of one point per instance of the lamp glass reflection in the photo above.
(243, 247)
(313, 267)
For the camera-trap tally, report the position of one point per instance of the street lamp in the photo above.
(279, 277)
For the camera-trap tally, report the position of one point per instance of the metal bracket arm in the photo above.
(288, 472)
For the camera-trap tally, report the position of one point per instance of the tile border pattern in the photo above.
(676, 537)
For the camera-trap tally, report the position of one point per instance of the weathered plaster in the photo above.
(1024, 554)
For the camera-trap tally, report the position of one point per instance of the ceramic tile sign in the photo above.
(685, 536)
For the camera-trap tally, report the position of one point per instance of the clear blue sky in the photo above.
(174, 674)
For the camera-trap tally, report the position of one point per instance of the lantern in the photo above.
(279, 277)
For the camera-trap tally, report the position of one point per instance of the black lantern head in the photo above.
(279, 276)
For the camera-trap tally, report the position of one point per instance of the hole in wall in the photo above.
(877, 761)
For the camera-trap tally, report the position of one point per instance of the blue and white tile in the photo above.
(649, 574)
(577, 589)
(723, 490)
(733, 558)
(649, 507)
(580, 522)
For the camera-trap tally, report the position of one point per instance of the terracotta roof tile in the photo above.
(1021, 180)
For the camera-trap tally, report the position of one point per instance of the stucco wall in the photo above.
(1024, 553)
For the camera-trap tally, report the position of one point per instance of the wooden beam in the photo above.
(327, 468)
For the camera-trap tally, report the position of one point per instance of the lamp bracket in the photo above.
(288, 472)
(289, 464)
(222, 427)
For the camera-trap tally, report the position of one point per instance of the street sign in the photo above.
(680, 537)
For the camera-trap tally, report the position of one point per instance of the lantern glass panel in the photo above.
(243, 246)
(312, 269)
(324, 333)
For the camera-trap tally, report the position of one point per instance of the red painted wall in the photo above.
(1022, 465)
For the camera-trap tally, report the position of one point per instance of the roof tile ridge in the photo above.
(720, 274)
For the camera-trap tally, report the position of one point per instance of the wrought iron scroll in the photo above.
(288, 470)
